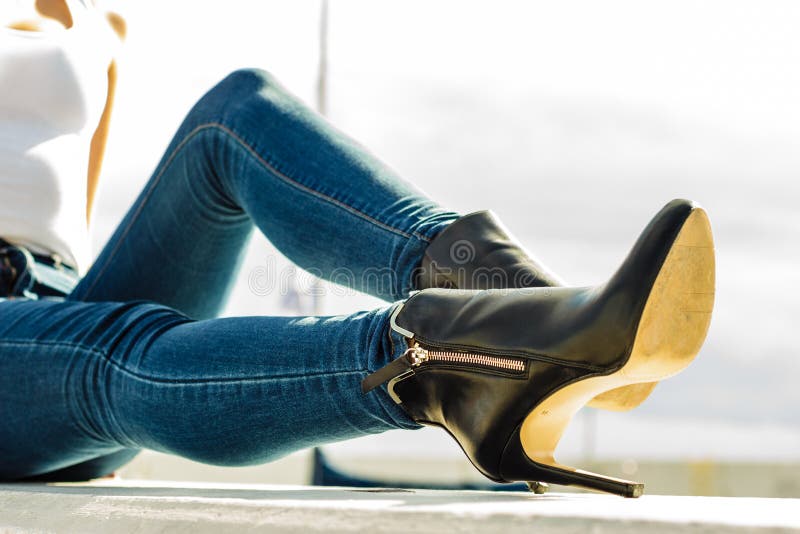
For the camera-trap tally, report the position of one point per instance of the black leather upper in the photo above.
(480, 409)
(565, 334)
(477, 252)
(591, 327)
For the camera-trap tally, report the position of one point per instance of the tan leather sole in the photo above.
(624, 398)
(671, 331)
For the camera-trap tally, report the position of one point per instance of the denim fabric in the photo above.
(134, 357)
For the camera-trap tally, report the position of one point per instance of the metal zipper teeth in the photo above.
(422, 355)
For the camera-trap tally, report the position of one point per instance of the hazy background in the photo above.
(575, 121)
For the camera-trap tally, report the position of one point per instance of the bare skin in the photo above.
(56, 11)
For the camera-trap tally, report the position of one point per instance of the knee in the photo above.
(247, 79)
(245, 96)
(237, 90)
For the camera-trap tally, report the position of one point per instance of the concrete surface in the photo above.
(362, 458)
(130, 506)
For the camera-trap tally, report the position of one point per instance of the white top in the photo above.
(53, 88)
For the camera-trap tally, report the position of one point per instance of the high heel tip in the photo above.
(633, 491)
(617, 486)
(539, 488)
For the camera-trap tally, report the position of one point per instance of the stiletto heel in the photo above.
(507, 392)
(517, 465)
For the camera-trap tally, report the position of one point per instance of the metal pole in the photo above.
(322, 66)
(322, 108)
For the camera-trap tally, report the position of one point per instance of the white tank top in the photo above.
(53, 88)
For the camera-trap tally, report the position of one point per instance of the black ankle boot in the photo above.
(477, 252)
(504, 371)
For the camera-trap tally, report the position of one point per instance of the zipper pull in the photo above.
(414, 356)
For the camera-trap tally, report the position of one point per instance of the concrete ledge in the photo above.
(148, 506)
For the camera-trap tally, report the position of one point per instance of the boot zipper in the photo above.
(417, 356)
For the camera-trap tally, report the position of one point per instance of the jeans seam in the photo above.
(272, 168)
(141, 206)
(268, 166)
(103, 354)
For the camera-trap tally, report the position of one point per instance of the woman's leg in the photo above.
(82, 380)
(249, 152)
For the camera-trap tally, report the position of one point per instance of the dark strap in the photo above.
(394, 368)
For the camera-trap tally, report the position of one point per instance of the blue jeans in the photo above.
(133, 358)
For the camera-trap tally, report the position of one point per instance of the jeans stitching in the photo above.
(191, 135)
(141, 206)
(200, 381)
(293, 182)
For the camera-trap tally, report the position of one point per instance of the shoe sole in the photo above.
(671, 331)
(623, 399)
